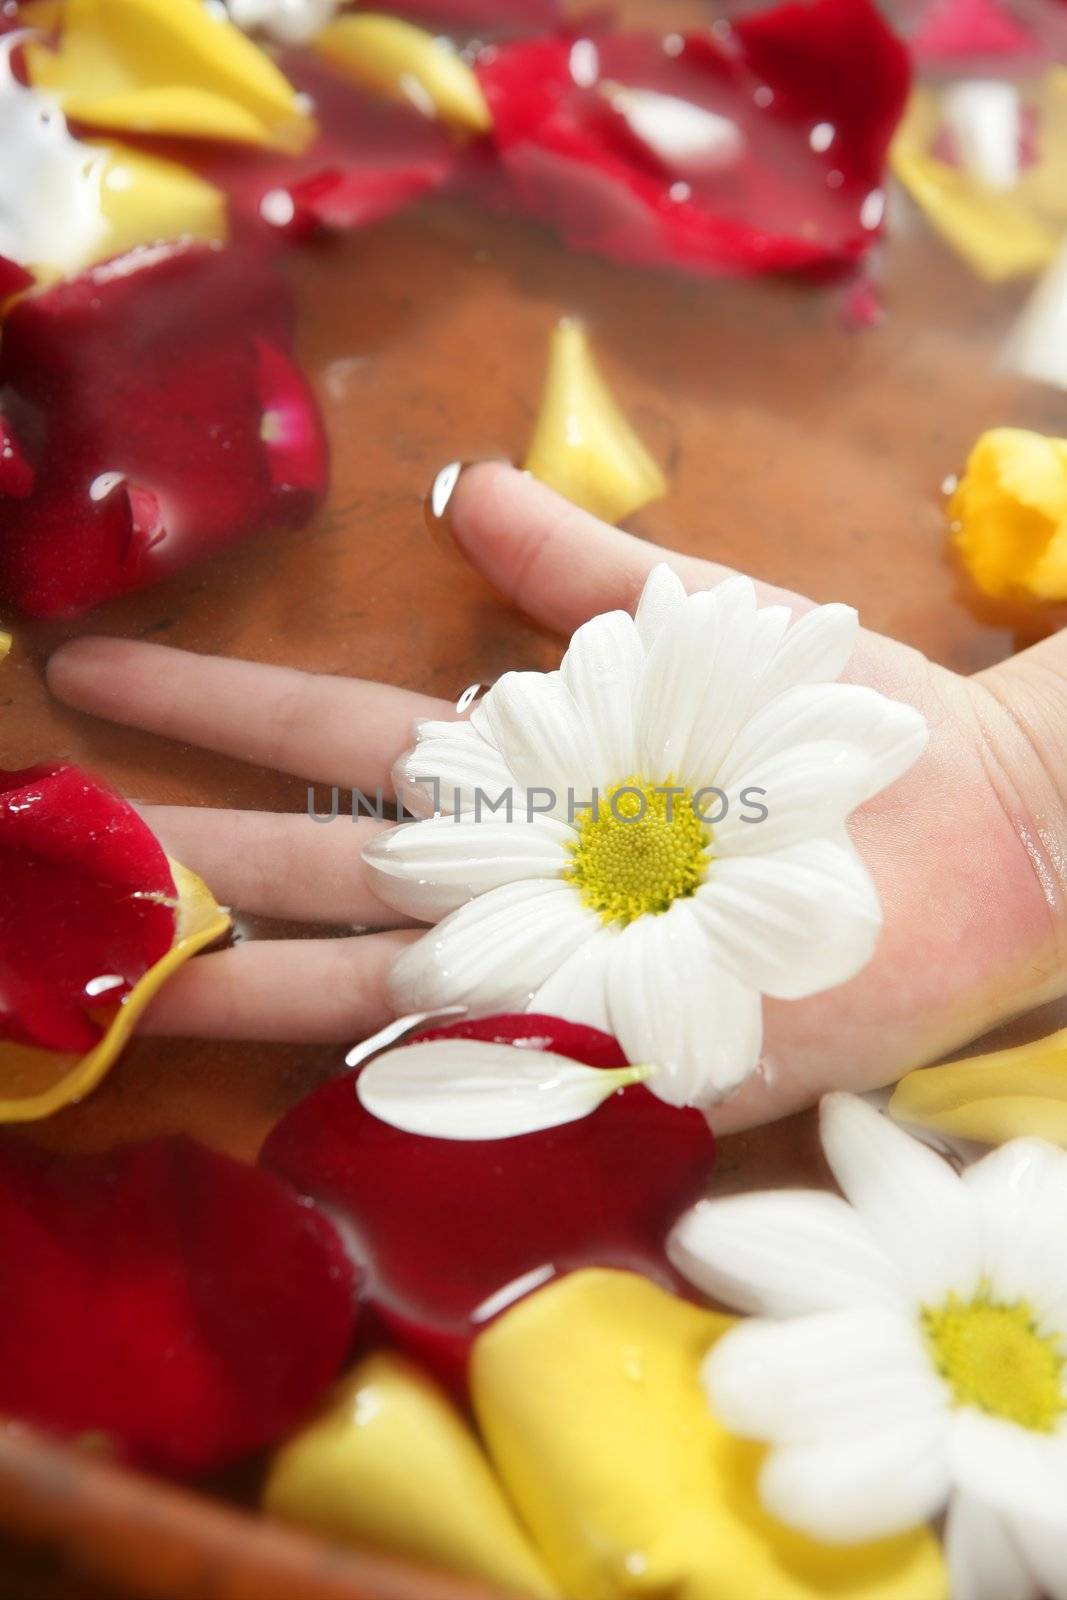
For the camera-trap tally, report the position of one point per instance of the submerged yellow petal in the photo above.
(1007, 1094)
(35, 1083)
(6, 641)
(390, 1463)
(395, 59)
(146, 200)
(1009, 514)
(583, 446)
(589, 1397)
(167, 66)
(1000, 233)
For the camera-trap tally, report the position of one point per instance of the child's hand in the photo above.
(969, 849)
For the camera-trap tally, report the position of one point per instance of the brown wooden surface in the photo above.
(797, 449)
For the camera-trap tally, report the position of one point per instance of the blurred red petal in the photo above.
(148, 379)
(12, 278)
(16, 474)
(962, 30)
(810, 93)
(86, 905)
(186, 1306)
(451, 1232)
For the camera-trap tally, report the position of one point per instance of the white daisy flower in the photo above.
(722, 761)
(909, 1348)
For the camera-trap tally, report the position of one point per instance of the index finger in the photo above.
(327, 730)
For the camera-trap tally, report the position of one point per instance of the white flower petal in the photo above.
(983, 1558)
(602, 670)
(890, 734)
(473, 1089)
(1044, 1549)
(871, 1487)
(543, 739)
(828, 1375)
(1020, 1192)
(1015, 1470)
(495, 952)
(783, 1253)
(670, 1004)
(794, 921)
(662, 597)
(578, 989)
(427, 869)
(816, 649)
(735, 691)
(693, 676)
(913, 1203)
(449, 763)
(806, 791)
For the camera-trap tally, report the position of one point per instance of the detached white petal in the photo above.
(984, 1560)
(427, 869)
(784, 1253)
(669, 1002)
(471, 1089)
(913, 1203)
(794, 921)
(984, 117)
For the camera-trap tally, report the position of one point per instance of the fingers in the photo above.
(289, 991)
(277, 865)
(329, 730)
(558, 563)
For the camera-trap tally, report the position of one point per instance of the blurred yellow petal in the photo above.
(1000, 233)
(1009, 514)
(1008, 1094)
(589, 1398)
(401, 62)
(35, 1083)
(6, 641)
(583, 446)
(146, 200)
(167, 66)
(390, 1463)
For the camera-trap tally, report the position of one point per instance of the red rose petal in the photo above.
(78, 922)
(12, 278)
(16, 474)
(187, 1306)
(783, 78)
(443, 1226)
(154, 384)
(961, 30)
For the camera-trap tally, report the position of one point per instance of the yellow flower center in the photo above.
(993, 1356)
(644, 847)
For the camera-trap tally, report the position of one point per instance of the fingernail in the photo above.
(437, 507)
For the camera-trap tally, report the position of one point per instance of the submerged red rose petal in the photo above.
(186, 1306)
(168, 417)
(12, 278)
(86, 905)
(450, 1232)
(758, 150)
(954, 31)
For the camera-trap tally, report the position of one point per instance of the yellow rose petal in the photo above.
(589, 1398)
(390, 1463)
(35, 1083)
(583, 446)
(167, 66)
(146, 200)
(1009, 514)
(6, 641)
(1007, 1094)
(401, 62)
(1000, 233)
